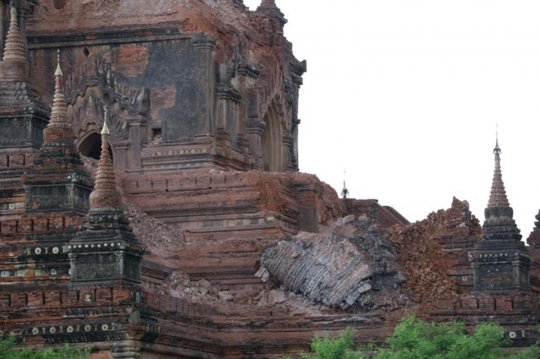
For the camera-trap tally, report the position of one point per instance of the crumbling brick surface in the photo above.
(157, 237)
(244, 303)
(193, 16)
(384, 216)
(429, 249)
(321, 197)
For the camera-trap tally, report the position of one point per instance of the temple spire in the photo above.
(14, 49)
(59, 118)
(105, 130)
(344, 191)
(58, 163)
(500, 262)
(498, 196)
(105, 194)
(14, 66)
(119, 259)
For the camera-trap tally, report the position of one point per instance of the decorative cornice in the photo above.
(228, 92)
(255, 126)
(245, 69)
(204, 42)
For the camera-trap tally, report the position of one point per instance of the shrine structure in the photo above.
(150, 210)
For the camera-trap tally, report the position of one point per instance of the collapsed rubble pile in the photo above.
(297, 184)
(181, 285)
(350, 264)
(157, 237)
(421, 249)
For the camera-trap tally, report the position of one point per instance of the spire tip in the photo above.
(105, 129)
(497, 149)
(58, 67)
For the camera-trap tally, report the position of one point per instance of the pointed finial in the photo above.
(498, 196)
(344, 191)
(105, 129)
(105, 194)
(59, 118)
(497, 149)
(58, 67)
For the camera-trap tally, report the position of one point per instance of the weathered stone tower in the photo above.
(105, 251)
(57, 181)
(500, 262)
(46, 195)
(20, 106)
(22, 116)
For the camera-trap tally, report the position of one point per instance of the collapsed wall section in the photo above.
(221, 221)
(349, 265)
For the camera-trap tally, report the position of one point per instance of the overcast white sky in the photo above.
(406, 96)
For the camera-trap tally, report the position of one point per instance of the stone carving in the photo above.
(97, 88)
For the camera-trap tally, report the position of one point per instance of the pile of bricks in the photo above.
(423, 254)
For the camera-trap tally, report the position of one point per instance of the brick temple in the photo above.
(151, 204)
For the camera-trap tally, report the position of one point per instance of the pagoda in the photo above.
(500, 261)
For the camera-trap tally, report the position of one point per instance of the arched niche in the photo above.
(272, 148)
(87, 111)
(90, 146)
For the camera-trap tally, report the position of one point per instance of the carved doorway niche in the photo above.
(90, 146)
(126, 125)
(272, 140)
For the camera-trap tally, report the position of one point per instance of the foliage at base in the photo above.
(417, 339)
(9, 350)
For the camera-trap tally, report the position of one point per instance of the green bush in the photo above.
(326, 348)
(417, 339)
(8, 350)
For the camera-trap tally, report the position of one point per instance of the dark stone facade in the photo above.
(179, 100)
(501, 262)
(105, 252)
